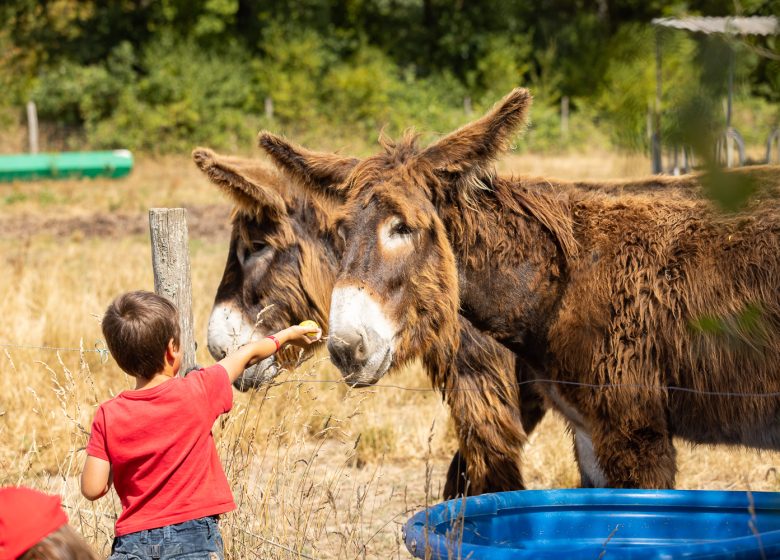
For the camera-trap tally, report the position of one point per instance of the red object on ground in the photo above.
(26, 517)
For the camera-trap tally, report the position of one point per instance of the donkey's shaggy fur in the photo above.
(297, 281)
(635, 312)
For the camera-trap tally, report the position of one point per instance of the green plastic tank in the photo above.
(65, 165)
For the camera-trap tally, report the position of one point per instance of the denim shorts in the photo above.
(192, 540)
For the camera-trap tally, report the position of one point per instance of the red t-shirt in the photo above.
(162, 454)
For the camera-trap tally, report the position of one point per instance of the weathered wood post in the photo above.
(467, 106)
(565, 116)
(171, 266)
(32, 126)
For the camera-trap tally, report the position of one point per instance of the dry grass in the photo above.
(318, 470)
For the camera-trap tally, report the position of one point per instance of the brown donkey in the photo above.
(283, 259)
(642, 317)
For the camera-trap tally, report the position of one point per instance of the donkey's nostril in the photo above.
(217, 352)
(361, 354)
(340, 354)
(348, 350)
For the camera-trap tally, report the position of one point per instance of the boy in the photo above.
(154, 443)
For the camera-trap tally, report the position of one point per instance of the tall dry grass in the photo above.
(317, 470)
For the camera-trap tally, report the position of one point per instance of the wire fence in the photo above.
(99, 349)
(104, 353)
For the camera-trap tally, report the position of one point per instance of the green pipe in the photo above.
(65, 165)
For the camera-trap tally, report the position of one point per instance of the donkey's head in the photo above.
(281, 263)
(396, 294)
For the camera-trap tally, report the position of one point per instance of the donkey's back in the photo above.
(688, 298)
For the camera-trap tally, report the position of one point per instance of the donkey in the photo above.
(637, 314)
(283, 258)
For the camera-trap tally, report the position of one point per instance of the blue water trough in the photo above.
(597, 524)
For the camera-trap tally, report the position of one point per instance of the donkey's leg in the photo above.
(635, 452)
(456, 483)
(482, 464)
(591, 475)
(482, 392)
(529, 399)
(500, 476)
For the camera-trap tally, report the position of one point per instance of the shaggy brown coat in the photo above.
(640, 316)
(490, 411)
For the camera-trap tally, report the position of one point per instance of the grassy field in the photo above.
(318, 470)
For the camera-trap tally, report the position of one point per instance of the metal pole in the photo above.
(656, 143)
(731, 86)
(171, 267)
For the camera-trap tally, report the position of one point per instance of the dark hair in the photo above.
(137, 327)
(62, 544)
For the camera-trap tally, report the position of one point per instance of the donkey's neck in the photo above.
(511, 243)
(319, 258)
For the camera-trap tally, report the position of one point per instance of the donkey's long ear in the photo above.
(321, 172)
(471, 148)
(244, 180)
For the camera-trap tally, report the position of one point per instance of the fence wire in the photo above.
(104, 353)
(99, 349)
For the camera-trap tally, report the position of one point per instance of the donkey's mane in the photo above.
(481, 216)
(553, 203)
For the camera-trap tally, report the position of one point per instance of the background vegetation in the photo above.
(166, 75)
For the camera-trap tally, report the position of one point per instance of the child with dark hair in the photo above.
(154, 443)
(33, 526)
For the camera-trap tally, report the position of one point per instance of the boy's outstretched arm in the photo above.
(236, 362)
(96, 478)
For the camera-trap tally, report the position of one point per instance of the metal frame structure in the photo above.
(727, 26)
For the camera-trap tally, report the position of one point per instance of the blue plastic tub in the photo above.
(600, 523)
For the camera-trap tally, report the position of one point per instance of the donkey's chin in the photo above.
(376, 367)
(258, 375)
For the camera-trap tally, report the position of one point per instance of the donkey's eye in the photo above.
(258, 246)
(400, 228)
(395, 234)
(255, 251)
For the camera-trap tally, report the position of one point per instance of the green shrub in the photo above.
(290, 73)
(359, 91)
(332, 87)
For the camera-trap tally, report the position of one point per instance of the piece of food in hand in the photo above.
(312, 334)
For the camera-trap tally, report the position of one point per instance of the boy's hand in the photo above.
(253, 352)
(299, 336)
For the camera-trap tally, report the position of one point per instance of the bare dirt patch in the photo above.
(204, 221)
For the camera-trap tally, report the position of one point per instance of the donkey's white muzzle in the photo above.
(361, 337)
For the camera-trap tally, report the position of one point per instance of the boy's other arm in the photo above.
(249, 354)
(96, 478)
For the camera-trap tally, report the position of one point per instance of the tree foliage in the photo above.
(166, 74)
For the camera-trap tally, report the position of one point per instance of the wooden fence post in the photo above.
(565, 116)
(32, 126)
(171, 266)
(467, 105)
